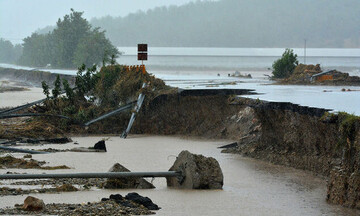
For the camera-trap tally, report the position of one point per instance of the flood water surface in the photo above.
(250, 187)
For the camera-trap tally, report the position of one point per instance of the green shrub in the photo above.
(348, 125)
(284, 67)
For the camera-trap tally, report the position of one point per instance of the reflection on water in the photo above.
(250, 187)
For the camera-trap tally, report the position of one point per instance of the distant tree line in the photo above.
(8, 52)
(70, 44)
(240, 23)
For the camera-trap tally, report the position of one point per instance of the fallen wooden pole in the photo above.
(123, 108)
(21, 107)
(22, 150)
(93, 175)
(15, 109)
(6, 116)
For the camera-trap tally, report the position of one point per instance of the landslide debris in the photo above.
(30, 129)
(90, 94)
(114, 205)
(303, 73)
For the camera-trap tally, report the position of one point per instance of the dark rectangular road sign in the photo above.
(142, 48)
(142, 56)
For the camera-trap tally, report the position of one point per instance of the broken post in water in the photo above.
(22, 150)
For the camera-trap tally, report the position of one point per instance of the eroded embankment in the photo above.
(282, 133)
(32, 77)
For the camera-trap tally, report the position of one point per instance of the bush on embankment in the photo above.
(98, 92)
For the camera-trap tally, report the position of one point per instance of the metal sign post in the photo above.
(137, 107)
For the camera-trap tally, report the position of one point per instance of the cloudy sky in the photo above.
(19, 18)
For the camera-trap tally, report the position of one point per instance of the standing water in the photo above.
(210, 67)
(250, 187)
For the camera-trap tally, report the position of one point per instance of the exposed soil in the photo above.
(8, 162)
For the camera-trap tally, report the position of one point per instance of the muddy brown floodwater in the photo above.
(17, 98)
(251, 187)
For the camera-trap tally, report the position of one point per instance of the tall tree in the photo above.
(72, 43)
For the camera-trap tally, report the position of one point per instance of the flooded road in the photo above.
(18, 98)
(251, 187)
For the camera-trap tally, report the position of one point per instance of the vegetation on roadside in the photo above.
(72, 43)
(99, 91)
(285, 66)
(31, 128)
(348, 126)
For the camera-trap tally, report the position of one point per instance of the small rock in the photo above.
(100, 145)
(66, 188)
(116, 197)
(139, 183)
(145, 201)
(33, 204)
(28, 156)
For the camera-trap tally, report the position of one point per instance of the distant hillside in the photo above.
(241, 23)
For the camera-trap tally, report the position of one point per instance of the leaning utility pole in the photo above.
(305, 51)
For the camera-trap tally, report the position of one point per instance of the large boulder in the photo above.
(198, 172)
(123, 183)
(33, 204)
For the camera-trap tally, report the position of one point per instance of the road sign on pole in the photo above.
(142, 52)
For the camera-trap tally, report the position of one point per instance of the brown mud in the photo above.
(9, 161)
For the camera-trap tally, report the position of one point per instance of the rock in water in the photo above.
(139, 183)
(198, 172)
(100, 145)
(145, 201)
(33, 204)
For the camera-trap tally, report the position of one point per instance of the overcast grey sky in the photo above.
(19, 18)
